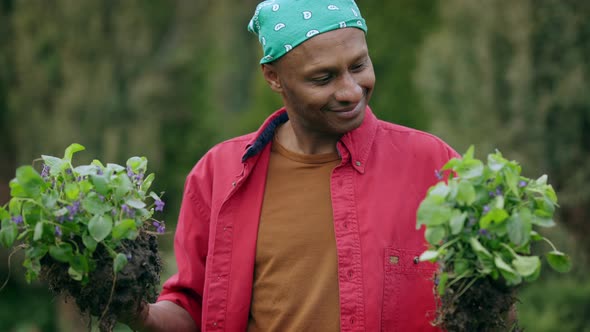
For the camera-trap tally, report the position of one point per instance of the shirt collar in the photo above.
(357, 142)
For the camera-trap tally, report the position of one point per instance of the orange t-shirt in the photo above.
(296, 273)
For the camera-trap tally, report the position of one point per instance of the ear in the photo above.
(271, 75)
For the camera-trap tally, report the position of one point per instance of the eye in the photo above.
(321, 80)
(358, 67)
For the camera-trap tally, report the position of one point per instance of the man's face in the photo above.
(326, 83)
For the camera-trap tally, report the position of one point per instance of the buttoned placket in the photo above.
(346, 229)
(219, 274)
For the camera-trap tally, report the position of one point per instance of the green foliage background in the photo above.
(167, 79)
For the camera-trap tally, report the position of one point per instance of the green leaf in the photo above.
(429, 255)
(72, 190)
(85, 186)
(526, 265)
(137, 164)
(49, 199)
(31, 181)
(432, 213)
(439, 191)
(461, 266)
(38, 231)
(536, 236)
(154, 196)
(543, 222)
(135, 203)
(70, 150)
(4, 215)
(435, 234)
(74, 274)
(519, 227)
(469, 153)
(494, 215)
(16, 190)
(496, 162)
(37, 251)
(125, 229)
(115, 167)
(479, 249)
(33, 268)
(470, 169)
(542, 180)
(442, 283)
(122, 185)
(84, 170)
(119, 262)
(466, 193)
(8, 234)
(457, 221)
(100, 227)
(512, 177)
(80, 263)
(61, 253)
(101, 183)
(89, 242)
(93, 204)
(550, 193)
(559, 261)
(56, 165)
(147, 182)
(512, 278)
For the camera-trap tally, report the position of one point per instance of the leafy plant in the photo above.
(66, 212)
(481, 223)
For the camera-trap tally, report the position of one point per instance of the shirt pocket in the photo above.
(408, 295)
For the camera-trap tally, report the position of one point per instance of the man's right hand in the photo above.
(161, 316)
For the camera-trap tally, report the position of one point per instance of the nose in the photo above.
(348, 90)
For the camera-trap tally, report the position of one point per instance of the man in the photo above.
(309, 223)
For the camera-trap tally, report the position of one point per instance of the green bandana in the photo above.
(281, 25)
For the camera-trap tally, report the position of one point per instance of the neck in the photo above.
(304, 144)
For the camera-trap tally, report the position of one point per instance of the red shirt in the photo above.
(385, 172)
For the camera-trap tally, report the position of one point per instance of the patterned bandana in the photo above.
(281, 25)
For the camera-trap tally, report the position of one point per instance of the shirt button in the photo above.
(358, 163)
(214, 323)
(233, 184)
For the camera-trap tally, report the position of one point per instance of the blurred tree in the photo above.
(396, 31)
(515, 76)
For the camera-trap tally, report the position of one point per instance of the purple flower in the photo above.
(486, 233)
(45, 171)
(17, 220)
(138, 177)
(129, 172)
(160, 205)
(58, 231)
(471, 222)
(499, 191)
(61, 219)
(73, 210)
(129, 256)
(127, 210)
(522, 183)
(486, 209)
(68, 171)
(114, 212)
(101, 197)
(438, 174)
(99, 171)
(160, 228)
